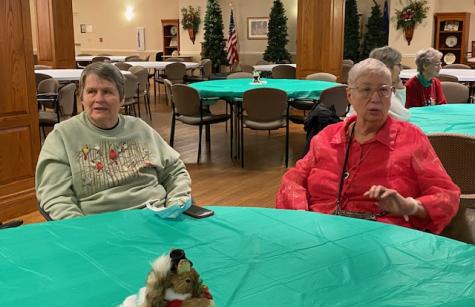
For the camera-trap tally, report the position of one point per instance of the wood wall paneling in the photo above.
(55, 33)
(320, 34)
(19, 135)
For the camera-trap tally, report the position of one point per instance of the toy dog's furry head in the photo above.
(173, 279)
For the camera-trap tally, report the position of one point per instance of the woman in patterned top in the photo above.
(101, 161)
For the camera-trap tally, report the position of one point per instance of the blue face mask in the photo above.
(171, 211)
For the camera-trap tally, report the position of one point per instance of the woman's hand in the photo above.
(391, 201)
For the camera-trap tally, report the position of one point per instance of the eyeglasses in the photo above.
(436, 63)
(398, 65)
(384, 91)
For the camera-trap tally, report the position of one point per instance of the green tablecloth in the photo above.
(247, 256)
(453, 118)
(234, 88)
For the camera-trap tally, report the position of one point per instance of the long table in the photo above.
(161, 65)
(464, 75)
(247, 257)
(452, 118)
(67, 74)
(88, 58)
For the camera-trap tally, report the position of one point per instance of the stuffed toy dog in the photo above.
(172, 282)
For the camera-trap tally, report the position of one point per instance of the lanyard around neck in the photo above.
(344, 170)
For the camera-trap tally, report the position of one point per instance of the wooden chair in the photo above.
(456, 152)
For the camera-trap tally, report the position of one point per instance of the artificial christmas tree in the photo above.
(374, 36)
(352, 32)
(214, 42)
(277, 35)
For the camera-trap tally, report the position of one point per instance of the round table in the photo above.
(247, 257)
(231, 89)
(450, 118)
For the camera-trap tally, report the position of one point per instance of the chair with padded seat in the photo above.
(335, 98)
(455, 92)
(62, 108)
(348, 61)
(205, 69)
(133, 58)
(457, 66)
(455, 151)
(122, 65)
(345, 69)
(130, 94)
(240, 75)
(188, 108)
(143, 90)
(175, 72)
(447, 77)
(40, 77)
(283, 72)
(321, 76)
(264, 109)
(101, 59)
(247, 68)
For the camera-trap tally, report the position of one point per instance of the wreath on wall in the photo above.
(411, 15)
(191, 21)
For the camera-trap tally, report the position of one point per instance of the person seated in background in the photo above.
(424, 89)
(372, 166)
(392, 59)
(101, 161)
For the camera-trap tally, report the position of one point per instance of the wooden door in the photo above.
(320, 34)
(55, 33)
(19, 136)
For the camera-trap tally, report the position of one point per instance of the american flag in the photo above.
(233, 56)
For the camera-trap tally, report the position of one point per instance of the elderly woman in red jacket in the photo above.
(424, 89)
(372, 166)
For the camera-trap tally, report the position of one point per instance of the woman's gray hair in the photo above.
(389, 56)
(426, 56)
(104, 71)
(368, 66)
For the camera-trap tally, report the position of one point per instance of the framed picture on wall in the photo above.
(257, 27)
(83, 28)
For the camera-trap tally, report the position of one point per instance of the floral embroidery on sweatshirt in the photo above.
(106, 165)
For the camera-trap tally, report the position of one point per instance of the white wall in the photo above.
(108, 21)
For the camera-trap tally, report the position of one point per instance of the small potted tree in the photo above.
(191, 21)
